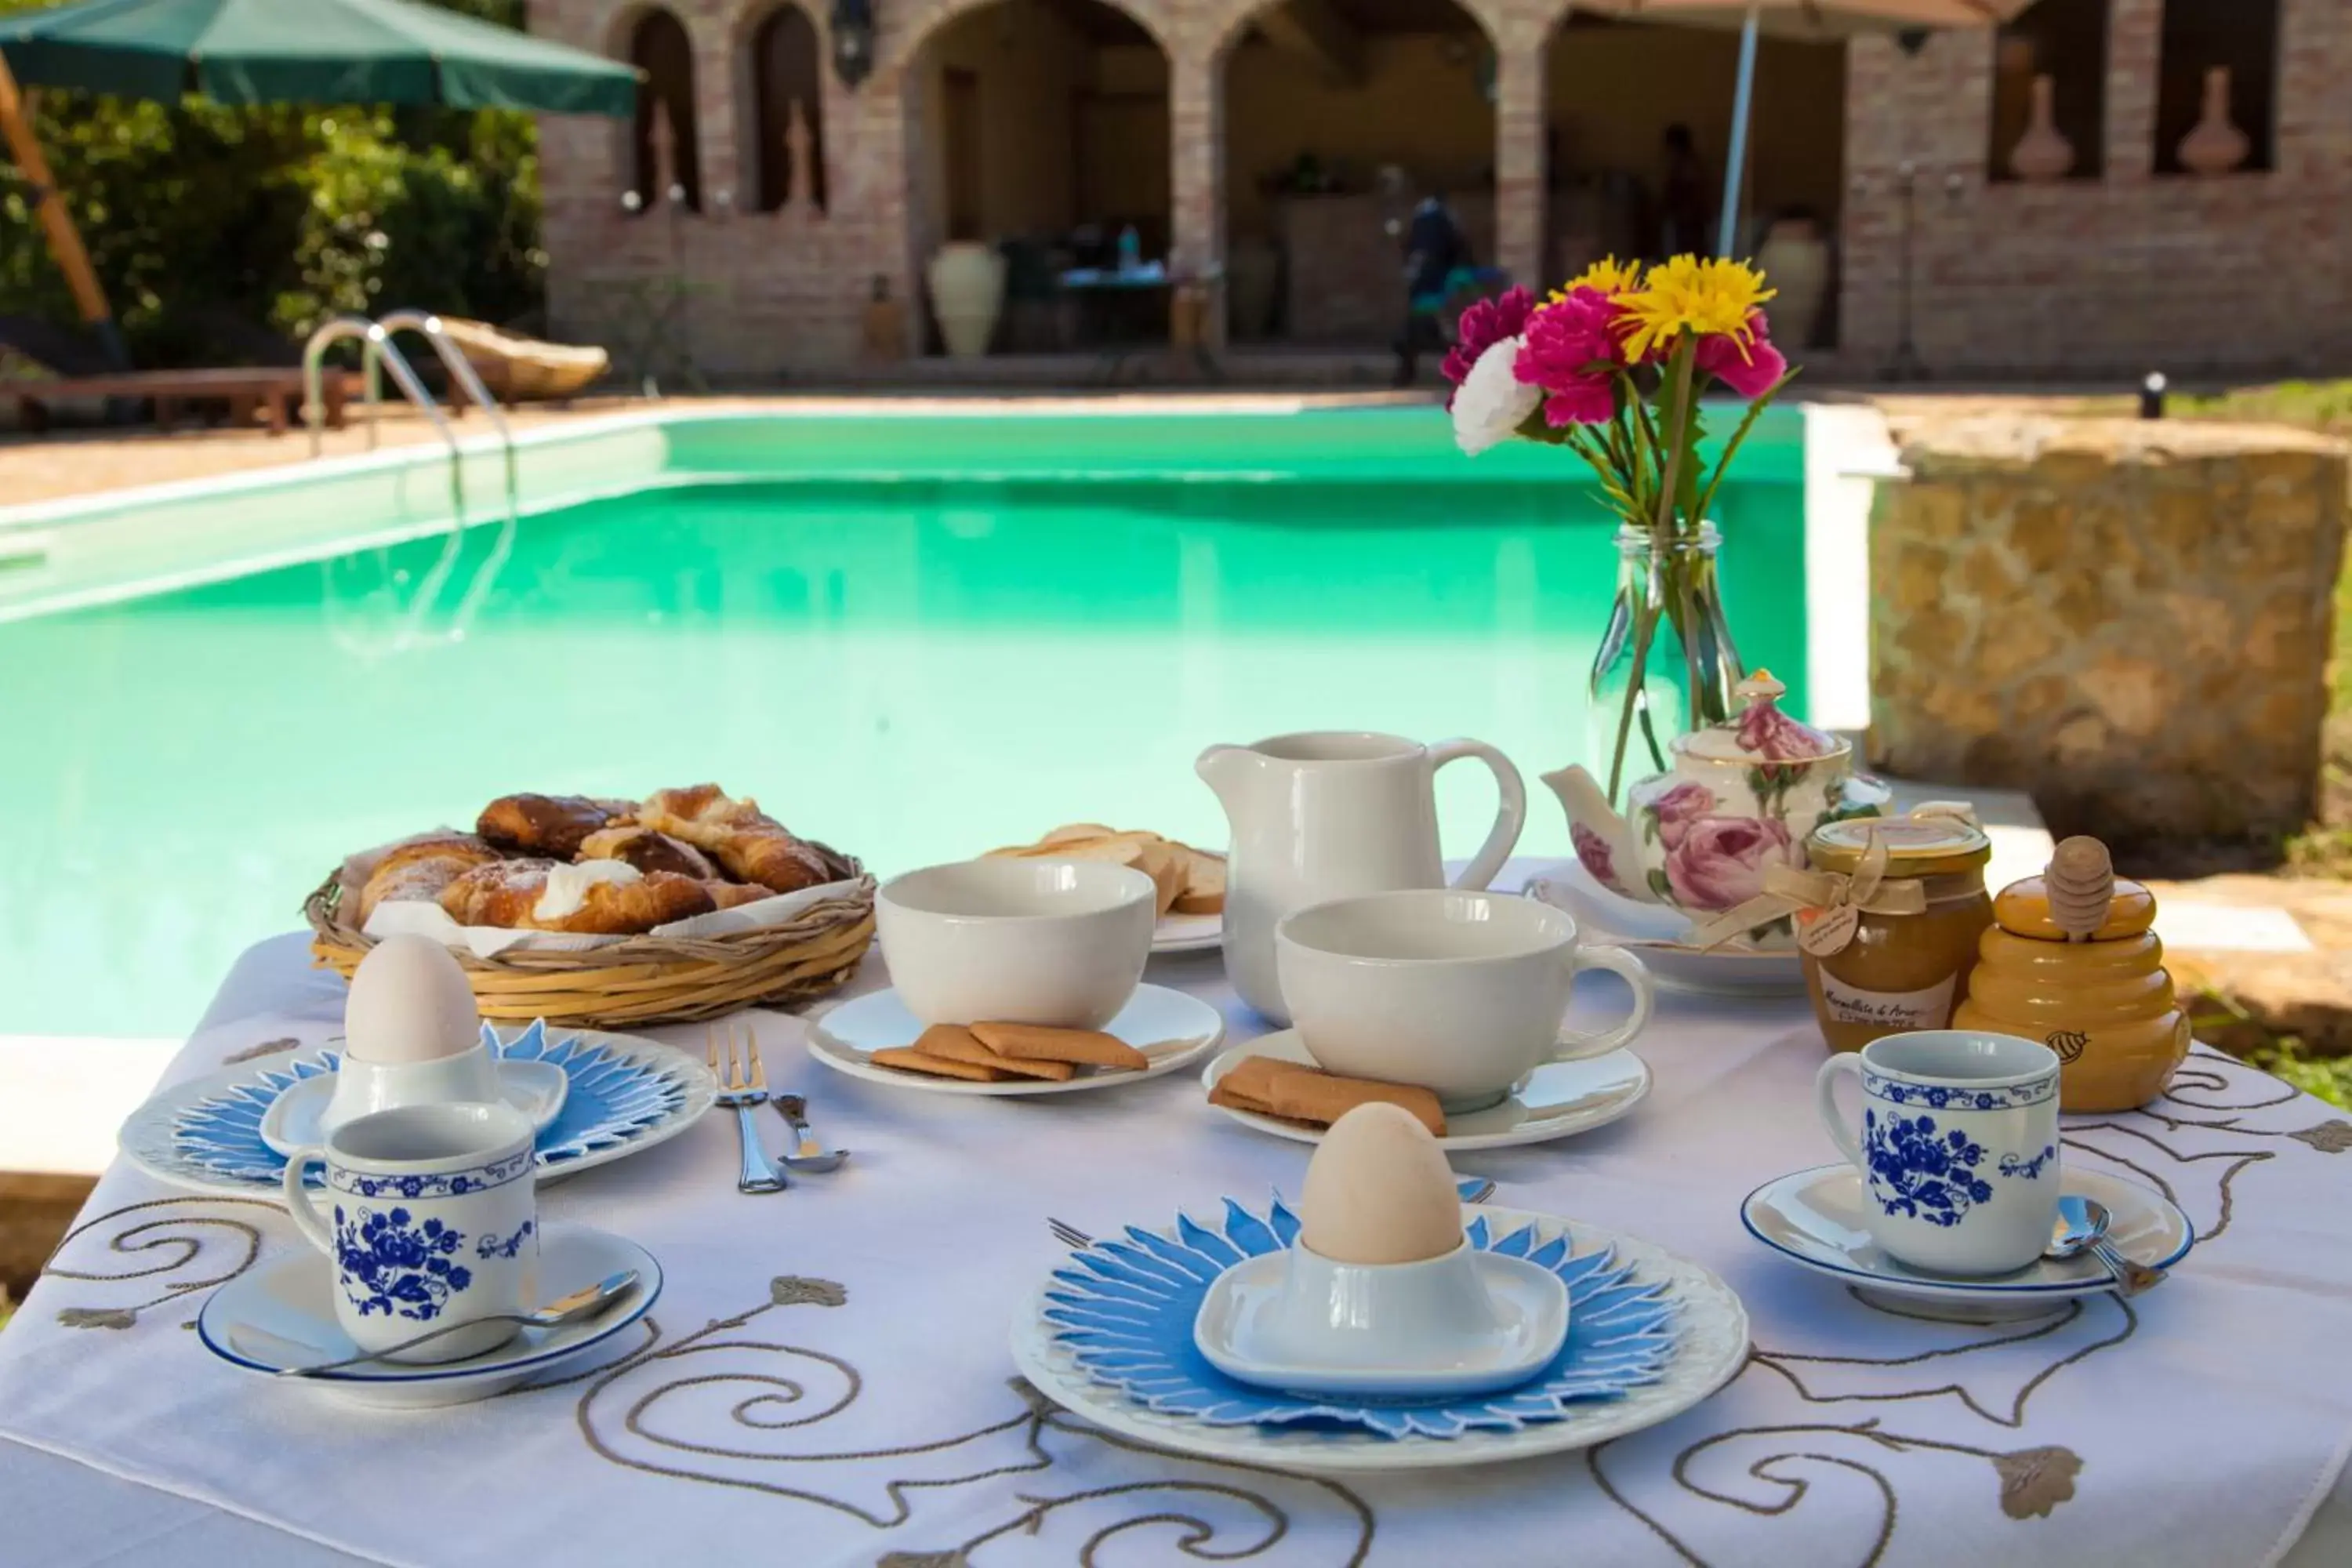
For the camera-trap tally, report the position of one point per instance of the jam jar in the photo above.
(1901, 971)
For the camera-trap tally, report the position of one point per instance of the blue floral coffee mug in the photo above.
(430, 1217)
(1959, 1152)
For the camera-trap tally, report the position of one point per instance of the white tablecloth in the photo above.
(827, 1382)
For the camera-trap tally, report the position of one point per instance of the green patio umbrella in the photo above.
(309, 51)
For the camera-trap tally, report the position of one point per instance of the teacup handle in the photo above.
(1841, 1132)
(1636, 974)
(300, 1205)
(1510, 813)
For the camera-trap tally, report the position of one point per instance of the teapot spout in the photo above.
(1604, 838)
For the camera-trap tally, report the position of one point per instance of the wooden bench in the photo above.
(266, 389)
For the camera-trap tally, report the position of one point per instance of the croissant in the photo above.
(547, 825)
(751, 845)
(605, 897)
(647, 850)
(421, 868)
(728, 895)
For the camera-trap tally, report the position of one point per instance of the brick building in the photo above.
(1245, 140)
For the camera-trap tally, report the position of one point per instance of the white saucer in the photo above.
(1657, 940)
(1551, 1102)
(292, 1122)
(1816, 1218)
(280, 1313)
(1531, 1301)
(1188, 934)
(1168, 1027)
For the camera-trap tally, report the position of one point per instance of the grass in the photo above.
(2283, 1056)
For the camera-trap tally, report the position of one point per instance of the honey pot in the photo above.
(2072, 960)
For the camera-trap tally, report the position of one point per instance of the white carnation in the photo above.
(1492, 401)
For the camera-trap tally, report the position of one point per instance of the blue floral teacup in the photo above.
(1959, 1150)
(434, 1220)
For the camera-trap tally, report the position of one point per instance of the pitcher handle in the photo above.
(300, 1205)
(1510, 816)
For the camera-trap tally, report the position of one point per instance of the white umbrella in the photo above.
(1809, 19)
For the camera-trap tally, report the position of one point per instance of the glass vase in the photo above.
(1666, 665)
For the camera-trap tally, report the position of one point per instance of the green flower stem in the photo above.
(1645, 619)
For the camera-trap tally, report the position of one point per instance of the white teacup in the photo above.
(363, 1087)
(1056, 942)
(434, 1220)
(1958, 1151)
(1461, 992)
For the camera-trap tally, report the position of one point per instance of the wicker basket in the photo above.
(642, 980)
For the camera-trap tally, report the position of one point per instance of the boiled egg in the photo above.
(1379, 1191)
(409, 1002)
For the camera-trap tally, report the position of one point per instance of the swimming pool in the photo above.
(913, 637)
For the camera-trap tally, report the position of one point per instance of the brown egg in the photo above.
(1380, 1191)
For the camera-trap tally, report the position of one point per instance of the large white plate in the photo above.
(1816, 1218)
(149, 1136)
(1168, 1027)
(1554, 1102)
(280, 1313)
(1712, 1347)
(1188, 934)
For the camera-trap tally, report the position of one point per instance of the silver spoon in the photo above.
(809, 1158)
(584, 1302)
(2082, 1226)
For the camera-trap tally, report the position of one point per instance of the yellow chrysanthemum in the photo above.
(1609, 275)
(1689, 295)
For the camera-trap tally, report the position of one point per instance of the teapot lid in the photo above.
(1761, 733)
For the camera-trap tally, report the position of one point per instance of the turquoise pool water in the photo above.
(910, 664)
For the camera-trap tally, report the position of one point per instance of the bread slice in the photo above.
(1203, 892)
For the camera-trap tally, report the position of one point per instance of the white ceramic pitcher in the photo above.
(1332, 814)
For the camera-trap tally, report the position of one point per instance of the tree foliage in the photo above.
(215, 230)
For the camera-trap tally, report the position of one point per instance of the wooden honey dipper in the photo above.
(2081, 884)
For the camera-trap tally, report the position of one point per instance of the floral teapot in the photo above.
(1743, 795)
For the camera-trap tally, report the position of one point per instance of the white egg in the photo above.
(409, 1002)
(1380, 1191)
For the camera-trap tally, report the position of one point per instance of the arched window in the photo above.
(666, 147)
(786, 88)
(2205, 36)
(2065, 40)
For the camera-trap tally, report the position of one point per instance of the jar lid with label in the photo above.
(1924, 844)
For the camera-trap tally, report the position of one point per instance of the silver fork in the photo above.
(1474, 1191)
(744, 1086)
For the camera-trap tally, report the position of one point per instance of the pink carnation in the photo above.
(1748, 368)
(1482, 326)
(1572, 351)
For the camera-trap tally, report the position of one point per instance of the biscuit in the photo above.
(1221, 1096)
(1251, 1079)
(1033, 1042)
(1324, 1099)
(913, 1060)
(953, 1042)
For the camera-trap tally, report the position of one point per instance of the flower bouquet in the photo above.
(1613, 367)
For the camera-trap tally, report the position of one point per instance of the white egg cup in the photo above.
(1465, 1321)
(362, 1089)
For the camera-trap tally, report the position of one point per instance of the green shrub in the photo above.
(278, 216)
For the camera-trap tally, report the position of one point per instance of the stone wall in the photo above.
(2129, 619)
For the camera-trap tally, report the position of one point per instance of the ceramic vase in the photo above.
(967, 281)
(2043, 153)
(2215, 146)
(1795, 261)
(1666, 634)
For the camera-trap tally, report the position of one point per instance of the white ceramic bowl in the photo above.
(1058, 942)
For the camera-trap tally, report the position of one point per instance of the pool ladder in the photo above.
(379, 352)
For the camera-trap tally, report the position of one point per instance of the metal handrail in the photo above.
(379, 347)
(461, 371)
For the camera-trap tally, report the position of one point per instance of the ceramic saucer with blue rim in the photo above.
(1109, 1336)
(1819, 1218)
(623, 1094)
(537, 1089)
(280, 1313)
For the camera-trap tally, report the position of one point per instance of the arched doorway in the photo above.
(785, 61)
(665, 158)
(1340, 117)
(1040, 130)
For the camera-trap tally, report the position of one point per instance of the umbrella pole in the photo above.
(1735, 169)
(57, 223)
